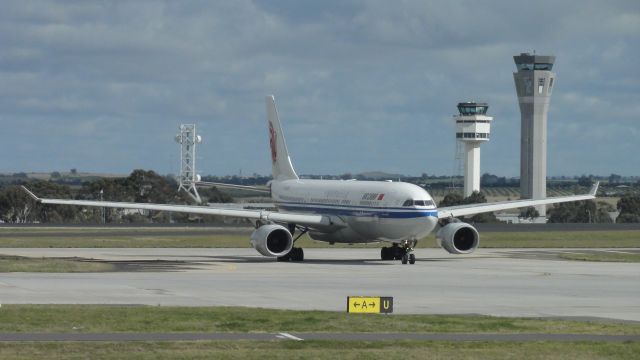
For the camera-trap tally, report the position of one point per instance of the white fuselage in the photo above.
(361, 211)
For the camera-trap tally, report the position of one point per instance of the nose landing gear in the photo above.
(402, 252)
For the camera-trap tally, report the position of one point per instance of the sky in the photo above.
(102, 86)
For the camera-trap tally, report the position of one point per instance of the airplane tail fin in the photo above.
(281, 162)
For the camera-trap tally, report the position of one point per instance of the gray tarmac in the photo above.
(500, 282)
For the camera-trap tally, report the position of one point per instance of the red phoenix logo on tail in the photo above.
(272, 141)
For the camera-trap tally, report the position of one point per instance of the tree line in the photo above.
(145, 186)
(572, 212)
(628, 209)
(140, 186)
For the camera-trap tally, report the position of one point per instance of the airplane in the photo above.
(343, 211)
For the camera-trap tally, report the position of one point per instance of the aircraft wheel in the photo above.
(412, 259)
(297, 254)
(386, 253)
(405, 258)
(398, 252)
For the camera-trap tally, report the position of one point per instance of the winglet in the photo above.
(594, 189)
(33, 196)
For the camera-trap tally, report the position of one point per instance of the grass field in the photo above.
(561, 239)
(94, 318)
(330, 350)
(127, 241)
(103, 318)
(207, 238)
(24, 264)
(610, 257)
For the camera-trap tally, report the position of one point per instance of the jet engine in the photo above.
(458, 238)
(272, 240)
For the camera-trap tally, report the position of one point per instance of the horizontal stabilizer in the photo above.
(234, 186)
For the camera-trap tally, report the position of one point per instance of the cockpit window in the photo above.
(419, 203)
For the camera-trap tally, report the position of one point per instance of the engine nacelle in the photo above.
(458, 238)
(272, 240)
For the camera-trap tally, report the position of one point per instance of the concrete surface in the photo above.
(502, 282)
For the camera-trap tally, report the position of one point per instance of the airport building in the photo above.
(534, 84)
(473, 127)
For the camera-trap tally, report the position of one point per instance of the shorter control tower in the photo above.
(473, 127)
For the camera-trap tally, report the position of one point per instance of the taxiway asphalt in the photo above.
(501, 282)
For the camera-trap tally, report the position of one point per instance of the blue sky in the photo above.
(102, 86)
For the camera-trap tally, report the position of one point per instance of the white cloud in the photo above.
(376, 80)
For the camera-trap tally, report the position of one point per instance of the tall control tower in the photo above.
(472, 128)
(534, 83)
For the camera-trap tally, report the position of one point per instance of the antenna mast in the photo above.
(187, 138)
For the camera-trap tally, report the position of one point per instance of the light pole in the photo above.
(103, 213)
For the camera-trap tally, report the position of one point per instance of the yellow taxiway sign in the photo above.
(370, 304)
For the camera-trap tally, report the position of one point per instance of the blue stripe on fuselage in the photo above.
(361, 211)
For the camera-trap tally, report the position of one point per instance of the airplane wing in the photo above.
(301, 219)
(263, 189)
(472, 209)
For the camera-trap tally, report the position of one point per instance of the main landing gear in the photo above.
(402, 252)
(296, 254)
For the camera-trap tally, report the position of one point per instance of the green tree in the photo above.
(628, 218)
(213, 195)
(603, 210)
(629, 207)
(580, 212)
(55, 213)
(529, 213)
(453, 199)
(586, 181)
(145, 186)
(17, 207)
(614, 179)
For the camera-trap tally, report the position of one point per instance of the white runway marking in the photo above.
(291, 337)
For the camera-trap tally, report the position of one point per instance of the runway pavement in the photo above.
(502, 282)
